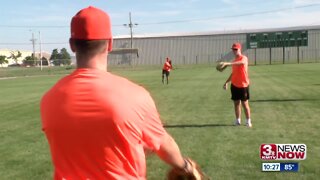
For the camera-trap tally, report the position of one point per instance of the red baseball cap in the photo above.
(236, 46)
(91, 24)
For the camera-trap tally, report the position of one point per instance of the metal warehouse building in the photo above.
(204, 48)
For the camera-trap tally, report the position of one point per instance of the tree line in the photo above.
(57, 58)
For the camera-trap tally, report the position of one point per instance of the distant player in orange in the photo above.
(167, 66)
(99, 125)
(239, 84)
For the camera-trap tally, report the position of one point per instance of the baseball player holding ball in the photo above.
(239, 79)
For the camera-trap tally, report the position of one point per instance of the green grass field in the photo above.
(285, 107)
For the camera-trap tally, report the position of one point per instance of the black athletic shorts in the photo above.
(167, 73)
(239, 93)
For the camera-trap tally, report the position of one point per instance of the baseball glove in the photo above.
(195, 174)
(221, 66)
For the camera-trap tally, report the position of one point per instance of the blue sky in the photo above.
(22, 18)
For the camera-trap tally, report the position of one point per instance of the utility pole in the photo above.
(40, 51)
(33, 40)
(130, 25)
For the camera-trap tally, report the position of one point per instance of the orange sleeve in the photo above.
(153, 131)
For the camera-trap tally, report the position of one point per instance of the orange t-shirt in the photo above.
(240, 76)
(167, 66)
(98, 124)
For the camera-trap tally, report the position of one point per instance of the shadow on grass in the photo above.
(195, 125)
(282, 100)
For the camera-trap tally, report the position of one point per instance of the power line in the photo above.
(29, 43)
(232, 16)
(21, 26)
(179, 21)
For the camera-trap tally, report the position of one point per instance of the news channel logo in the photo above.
(283, 151)
(275, 152)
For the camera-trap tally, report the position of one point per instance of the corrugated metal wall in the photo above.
(203, 49)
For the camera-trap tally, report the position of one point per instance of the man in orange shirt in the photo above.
(99, 125)
(167, 66)
(239, 84)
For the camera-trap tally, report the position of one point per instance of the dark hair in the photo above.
(89, 47)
